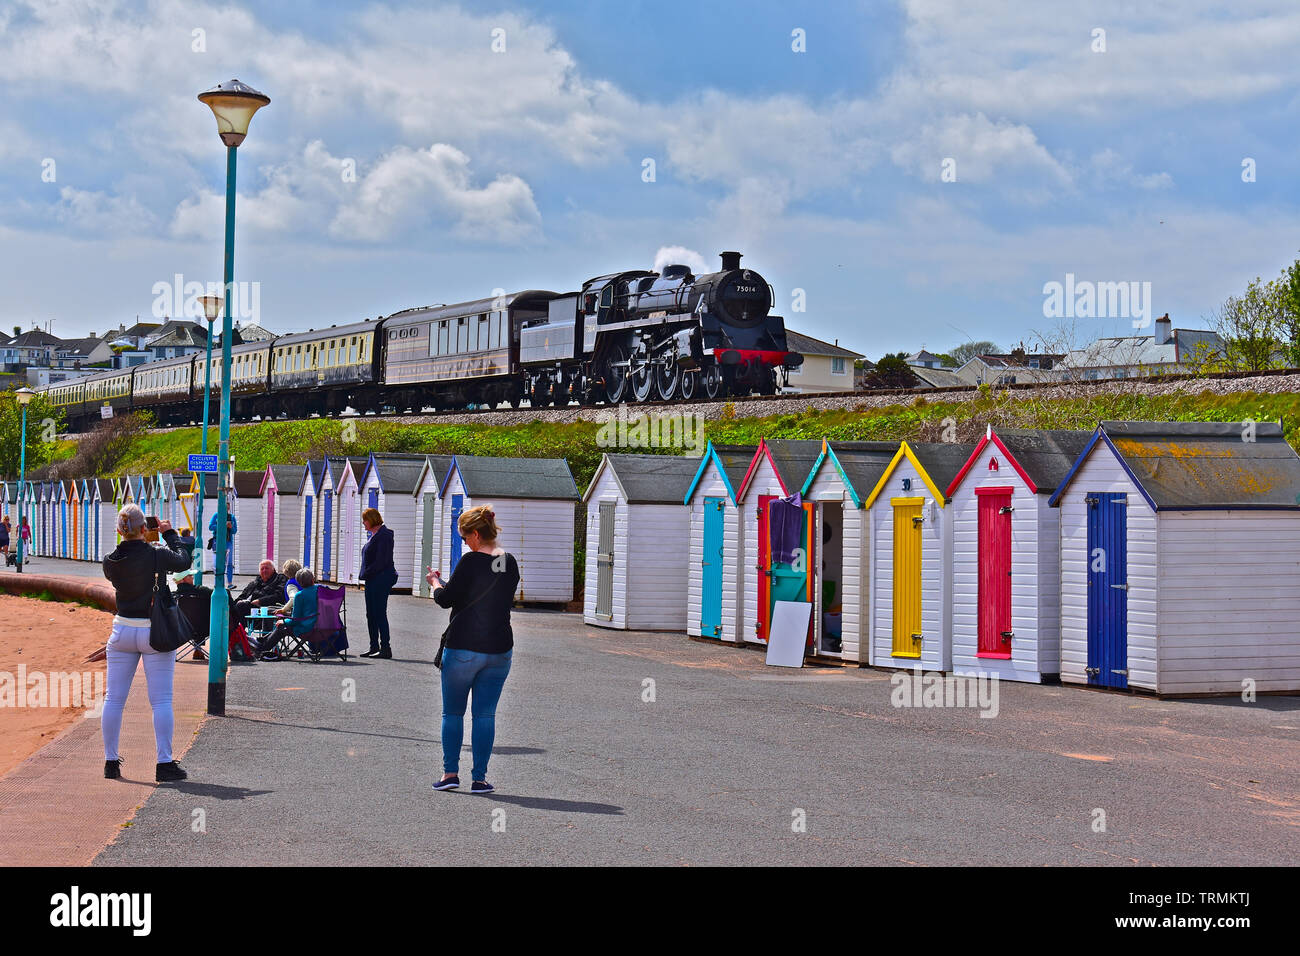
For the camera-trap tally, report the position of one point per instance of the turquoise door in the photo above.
(457, 506)
(711, 568)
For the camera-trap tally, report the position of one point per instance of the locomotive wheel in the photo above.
(711, 383)
(667, 380)
(616, 374)
(690, 384)
(643, 382)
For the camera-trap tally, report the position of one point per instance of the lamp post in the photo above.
(233, 104)
(24, 395)
(211, 310)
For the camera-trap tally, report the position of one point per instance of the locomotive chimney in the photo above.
(730, 260)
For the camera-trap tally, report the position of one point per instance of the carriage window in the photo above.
(462, 334)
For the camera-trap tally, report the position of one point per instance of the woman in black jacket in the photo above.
(134, 568)
(479, 645)
(380, 574)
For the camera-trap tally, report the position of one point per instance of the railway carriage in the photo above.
(326, 371)
(164, 389)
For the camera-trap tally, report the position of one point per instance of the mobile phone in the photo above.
(151, 523)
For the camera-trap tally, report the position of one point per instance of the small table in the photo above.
(261, 622)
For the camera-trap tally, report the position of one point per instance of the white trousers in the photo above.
(127, 646)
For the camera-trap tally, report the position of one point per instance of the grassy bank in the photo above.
(256, 446)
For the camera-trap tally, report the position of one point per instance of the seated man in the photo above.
(301, 619)
(265, 590)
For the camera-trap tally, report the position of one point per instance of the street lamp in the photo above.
(233, 104)
(211, 311)
(24, 395)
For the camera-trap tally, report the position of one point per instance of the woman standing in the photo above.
(24, 542)
(232, 526)
(4, 538)
(135, 568)
(476, 659)
(380, 574)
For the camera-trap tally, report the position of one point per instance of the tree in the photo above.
(1289, 302)
(963, 353)
(103, 448)
(1253, 326)
(43, 422)
(892, 371)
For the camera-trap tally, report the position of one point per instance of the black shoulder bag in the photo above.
(169, 629)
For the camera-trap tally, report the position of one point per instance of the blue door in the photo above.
(327, 519)
(373, 500)
(711, 566)
(63, 529)
(306, 534)
(1107, 589)
(457, 506)
(95, 547)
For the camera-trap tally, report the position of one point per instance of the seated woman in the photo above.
(301, 616)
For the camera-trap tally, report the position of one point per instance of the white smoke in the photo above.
(680, 255)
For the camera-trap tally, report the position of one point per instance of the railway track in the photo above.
(747, 406)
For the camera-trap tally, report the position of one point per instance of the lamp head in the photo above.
(211, 307)
(24, 395)
(233, 104)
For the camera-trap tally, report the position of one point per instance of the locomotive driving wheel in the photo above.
(667, 379)
(643, 380)
(711, 383)
(689, 385)
(615, 374)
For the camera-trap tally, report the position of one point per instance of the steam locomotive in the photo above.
(628, 336)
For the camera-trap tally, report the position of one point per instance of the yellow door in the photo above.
(907, 576)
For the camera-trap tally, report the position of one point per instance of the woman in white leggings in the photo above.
(134, 568)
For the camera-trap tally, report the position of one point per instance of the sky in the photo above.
(906, 175)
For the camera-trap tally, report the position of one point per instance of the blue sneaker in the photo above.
(451, 783)
(479, 786)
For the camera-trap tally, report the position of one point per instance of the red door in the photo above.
(994, 572)
(764, 569)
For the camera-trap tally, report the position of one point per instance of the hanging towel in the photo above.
(785, 526)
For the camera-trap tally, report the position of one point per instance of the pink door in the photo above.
(270, 524)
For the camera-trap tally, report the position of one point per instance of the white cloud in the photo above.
(680, 255)
(979, 148)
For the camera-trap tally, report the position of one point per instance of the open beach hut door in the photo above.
(790, 552)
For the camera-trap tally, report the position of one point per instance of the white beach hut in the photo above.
(534, 500)
(428, 514)
(1180, 544)
(635, 504)
(1006, 554)
(308, 514)
(715, 548)
(388, 485)
(281, 514)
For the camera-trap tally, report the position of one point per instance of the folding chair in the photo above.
(196, 608)
(329, 636)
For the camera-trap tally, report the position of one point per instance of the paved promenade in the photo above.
(732, 762)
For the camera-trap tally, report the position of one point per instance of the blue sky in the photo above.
(476, 170)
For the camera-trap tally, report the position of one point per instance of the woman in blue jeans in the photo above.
(476, 658)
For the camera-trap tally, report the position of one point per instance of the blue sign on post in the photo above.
(203, 464)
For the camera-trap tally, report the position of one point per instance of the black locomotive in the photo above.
(628, 336)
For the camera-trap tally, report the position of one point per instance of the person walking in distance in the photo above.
(380, 574)
(479, 644)
(135, 568)
(232, 526)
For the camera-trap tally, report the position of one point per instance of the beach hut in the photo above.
(347, 520)
(716, 577)
(835, 573)
(634, 504)
(534, 500)
(428, 521)
(308, 512)
(49, 495)
(85, 545)
(105, 509)
(248, 507)
(326, 510)
(1179, 548)
(778, 470)
(281, 515)
(74, 520)
(165, 492)
(910, 592)
(388, 485)
(1006, 554)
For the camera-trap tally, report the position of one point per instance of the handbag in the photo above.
(442, 644)
(169, 629)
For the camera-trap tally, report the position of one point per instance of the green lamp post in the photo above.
(233, 104)
(24, 395)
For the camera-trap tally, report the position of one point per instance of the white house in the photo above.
(634, 504)
(1180, 547)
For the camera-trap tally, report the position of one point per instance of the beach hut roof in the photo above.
(791, 458)
(485, 477)
(287, 479)
(938, 463)
(861, 464)
(648, 479)
(398, 475)
(1193, 466)
(732, 461)
(439, 465)
(1041, 456)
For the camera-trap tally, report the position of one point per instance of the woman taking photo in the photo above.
(476, 656)
(380, 574)
(135, 568)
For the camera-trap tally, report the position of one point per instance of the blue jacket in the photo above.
(377, 555)
(304, 611)
(234, 525)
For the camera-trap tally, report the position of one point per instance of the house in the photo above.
(938, 377)
(924, 359)
(34, 347)
(1166, 351)
(634, 504)
(43, 376)
(826, 367)
(251, 332)
(82, 353)
(1010, 369)
(176, 339)
(1179, 548)
(134, 337)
